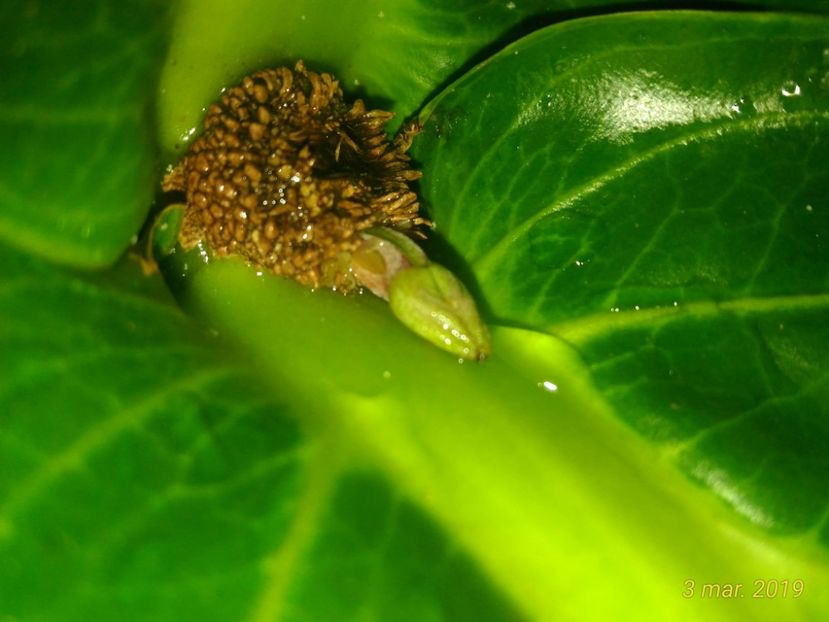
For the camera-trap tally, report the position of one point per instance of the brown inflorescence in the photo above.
(287, 175)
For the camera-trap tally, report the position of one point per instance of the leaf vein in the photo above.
(486, 262)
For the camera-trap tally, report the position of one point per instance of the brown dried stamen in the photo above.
(287, 175)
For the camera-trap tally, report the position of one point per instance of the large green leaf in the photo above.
(395, 53)
(317, 462)
(146, 475)
(662, 205)
(77, 167)
(519, 459)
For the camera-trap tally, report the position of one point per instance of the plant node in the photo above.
(287, 175)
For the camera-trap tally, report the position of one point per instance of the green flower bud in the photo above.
(433, 303)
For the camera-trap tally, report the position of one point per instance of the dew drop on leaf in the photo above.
(790, 89)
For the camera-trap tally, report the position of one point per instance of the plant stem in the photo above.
(518, 458)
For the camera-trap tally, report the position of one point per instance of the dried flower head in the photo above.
(287, 175)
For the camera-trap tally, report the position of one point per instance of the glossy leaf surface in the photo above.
(315, 461)
(671, 222)
(397, 54)
(147, 475)
(77, 167)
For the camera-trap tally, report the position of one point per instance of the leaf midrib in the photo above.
(598, 325)
(279, 566)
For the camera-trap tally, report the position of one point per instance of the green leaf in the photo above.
(376, 556)
(315, 460)
(661, 204)
(77, 168)
(395, 53)
(77, 107)
(519, 459)
(147, 475)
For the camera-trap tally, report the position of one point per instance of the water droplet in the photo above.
(187, 135)
(809, 208)
(790, 89)
(743, 105)
(552, 387)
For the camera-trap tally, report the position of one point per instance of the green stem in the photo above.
(518, 458)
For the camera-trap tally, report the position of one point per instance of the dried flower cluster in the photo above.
(287, 175)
